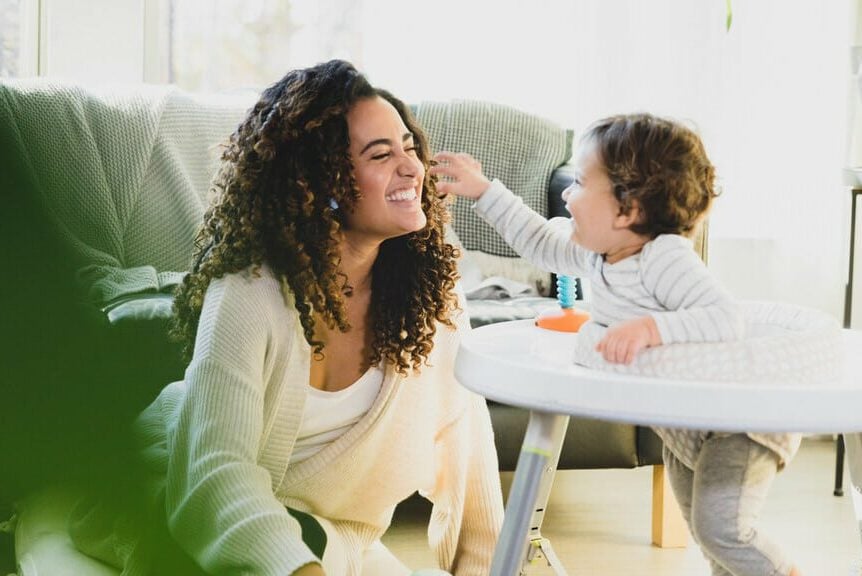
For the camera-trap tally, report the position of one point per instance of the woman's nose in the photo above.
(408, 165)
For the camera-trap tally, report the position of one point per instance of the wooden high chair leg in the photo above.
(669, 529)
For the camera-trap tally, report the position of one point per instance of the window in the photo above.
(19, 38)
(10, 38)
(229, 44)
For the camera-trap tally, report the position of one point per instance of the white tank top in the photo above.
(328, 415)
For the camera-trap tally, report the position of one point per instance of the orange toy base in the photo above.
(563, 320)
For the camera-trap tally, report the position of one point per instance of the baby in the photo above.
(642, 185)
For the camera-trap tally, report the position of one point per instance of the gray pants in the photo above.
(721, 500)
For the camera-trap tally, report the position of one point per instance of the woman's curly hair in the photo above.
(285, 164)
(660, 164)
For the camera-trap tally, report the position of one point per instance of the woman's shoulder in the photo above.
(256, 281)
(253, 277)
(254, 293)
(244, 318)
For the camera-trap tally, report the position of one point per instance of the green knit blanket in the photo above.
(124, 172)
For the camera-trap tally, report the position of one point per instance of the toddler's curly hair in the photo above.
(660, 164)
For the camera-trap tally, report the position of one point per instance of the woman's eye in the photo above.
(412, 149)
(380, 156)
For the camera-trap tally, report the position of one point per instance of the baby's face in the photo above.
(591, 203)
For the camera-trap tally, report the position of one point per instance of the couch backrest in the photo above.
(125, 171)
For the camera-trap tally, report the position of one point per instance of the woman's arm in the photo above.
(470, 511)
(468, 501)
(220, 503)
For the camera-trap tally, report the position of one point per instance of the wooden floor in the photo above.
(599, 523)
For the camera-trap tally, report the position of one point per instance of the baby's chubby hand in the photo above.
(623, 341)
(464, 173)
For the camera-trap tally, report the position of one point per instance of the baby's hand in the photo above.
(465, 172)
(623, 341)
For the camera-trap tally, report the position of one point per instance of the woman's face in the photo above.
(387, 171)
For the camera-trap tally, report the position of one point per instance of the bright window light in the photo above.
(231, 44)
(10, 38)
(19, 38)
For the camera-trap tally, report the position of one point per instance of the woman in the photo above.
(322, 321)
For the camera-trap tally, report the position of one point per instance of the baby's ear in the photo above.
(633, 215)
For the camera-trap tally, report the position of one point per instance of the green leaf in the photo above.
(729, 20)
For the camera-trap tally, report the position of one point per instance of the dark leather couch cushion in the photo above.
(151, 360)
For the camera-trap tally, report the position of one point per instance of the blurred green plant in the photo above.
(728, 20)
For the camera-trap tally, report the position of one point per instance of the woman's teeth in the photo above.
(402, 195)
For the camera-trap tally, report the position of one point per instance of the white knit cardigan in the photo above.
(223, 436)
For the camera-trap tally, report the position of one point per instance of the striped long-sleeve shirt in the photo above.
(666, 280)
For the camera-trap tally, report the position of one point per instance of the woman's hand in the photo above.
(464, 173)
(623, 341)
(310, 570)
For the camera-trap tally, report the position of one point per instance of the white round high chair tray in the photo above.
(519, 364)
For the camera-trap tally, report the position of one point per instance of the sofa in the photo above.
(115, 183)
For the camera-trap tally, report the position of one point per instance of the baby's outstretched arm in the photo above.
(623, 341)
(545, 243)
(464, 173)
